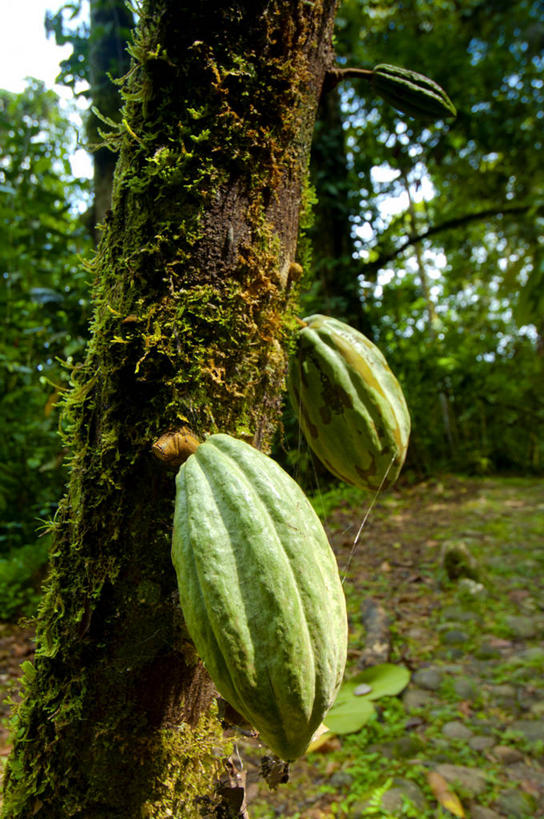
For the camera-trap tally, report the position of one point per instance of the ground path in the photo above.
(473, 714)
(474, 710)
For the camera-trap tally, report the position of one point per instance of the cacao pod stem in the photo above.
(173, 448)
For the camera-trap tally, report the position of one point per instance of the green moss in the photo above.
(197, 752)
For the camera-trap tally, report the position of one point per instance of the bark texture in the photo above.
(194, 292)
(111, 23)
(336, 269)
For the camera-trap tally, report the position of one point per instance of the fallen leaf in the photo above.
(325, 744)
(352, 709)
(384, 680)
(349, 716)
(320, 738)
(445, 796)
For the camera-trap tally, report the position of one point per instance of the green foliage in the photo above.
(458, 314)
(102, 40)
(43, 306)
(372, 774)
(492, 415)
(68, 26)
(20, 575)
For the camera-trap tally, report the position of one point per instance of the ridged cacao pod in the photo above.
(412, 93)
(259, 590)
(349, 404)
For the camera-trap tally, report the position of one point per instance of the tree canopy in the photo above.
(425, 237)
(43, 300)
(446, 223)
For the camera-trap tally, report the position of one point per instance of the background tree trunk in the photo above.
(193, 295)
(111, 23)
(334, 263)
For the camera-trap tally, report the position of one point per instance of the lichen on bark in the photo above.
(193, 298)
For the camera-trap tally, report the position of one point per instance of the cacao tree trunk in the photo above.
(194, 289)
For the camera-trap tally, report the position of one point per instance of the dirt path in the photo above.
(472, 718)
(473, 714)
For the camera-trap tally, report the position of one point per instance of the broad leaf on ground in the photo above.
(353, 709)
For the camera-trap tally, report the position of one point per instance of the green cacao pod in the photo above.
(349, 404)
(259, 590)
(412, 93)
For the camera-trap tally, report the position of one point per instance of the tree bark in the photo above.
(333, 250)
(111, 22)
(193, 299)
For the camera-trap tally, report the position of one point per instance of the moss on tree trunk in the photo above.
(194, 288)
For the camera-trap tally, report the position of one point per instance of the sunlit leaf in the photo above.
(321, 736)
(353, 709)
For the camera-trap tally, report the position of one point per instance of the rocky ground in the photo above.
(466, 737)
(458, 566)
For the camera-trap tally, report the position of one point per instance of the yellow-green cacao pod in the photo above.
(259, 590)
(349, 404)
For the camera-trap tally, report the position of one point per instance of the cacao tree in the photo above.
(194, 286)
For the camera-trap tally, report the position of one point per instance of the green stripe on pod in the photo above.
(259, 590)
(349, 404)
(412, 93)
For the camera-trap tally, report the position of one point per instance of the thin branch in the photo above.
(449, 224)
